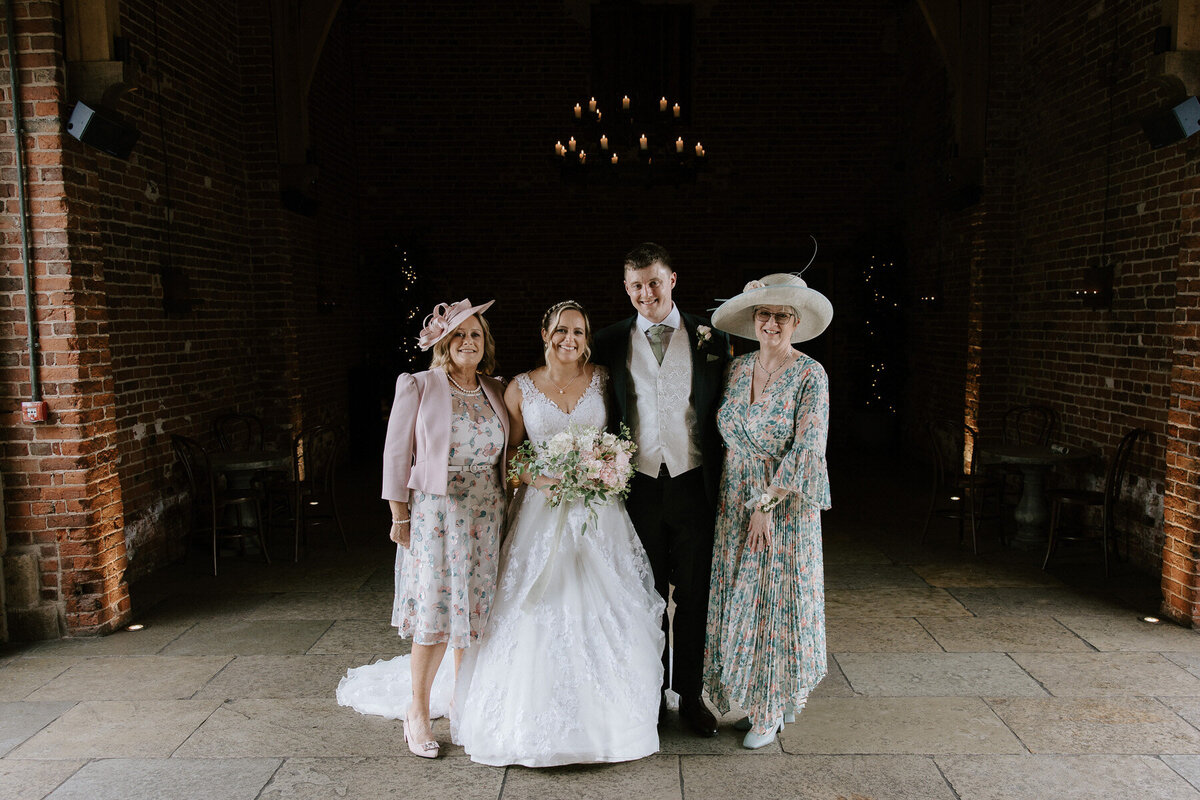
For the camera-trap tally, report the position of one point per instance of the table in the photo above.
(240, 468)
(1034, 460)
(242, 462)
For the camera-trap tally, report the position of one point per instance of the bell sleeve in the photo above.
(803, 469)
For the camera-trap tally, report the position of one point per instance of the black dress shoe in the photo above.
(697, 717)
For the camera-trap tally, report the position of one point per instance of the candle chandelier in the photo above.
(637, 142)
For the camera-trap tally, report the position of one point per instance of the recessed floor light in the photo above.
(1151, 620)
(137, 626)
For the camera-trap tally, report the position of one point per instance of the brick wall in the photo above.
(63, 504)
(1068, 83)
(95, 496)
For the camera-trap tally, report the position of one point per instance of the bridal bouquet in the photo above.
(590, 465)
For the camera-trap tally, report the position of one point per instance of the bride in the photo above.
(568, 667)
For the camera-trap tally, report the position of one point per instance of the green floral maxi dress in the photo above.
(766, 611)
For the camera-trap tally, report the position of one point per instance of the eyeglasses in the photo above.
(780, 317)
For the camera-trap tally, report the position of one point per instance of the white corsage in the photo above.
(764, 502)
(703, 336)
(753, 285)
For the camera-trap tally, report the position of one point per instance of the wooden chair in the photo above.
(316, 453)
(1106, 499)
(214, 504)
(960, 491)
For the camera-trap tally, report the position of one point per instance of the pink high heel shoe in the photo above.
(428, 749)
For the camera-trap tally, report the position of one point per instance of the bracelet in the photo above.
(399, 521)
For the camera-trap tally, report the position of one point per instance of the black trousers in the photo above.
(674, 520)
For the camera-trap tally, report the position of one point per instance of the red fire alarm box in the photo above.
(34, 410)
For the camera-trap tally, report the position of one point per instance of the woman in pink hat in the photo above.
(442, 477)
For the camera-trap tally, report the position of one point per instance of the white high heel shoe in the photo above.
(753, 740)
(789, 717)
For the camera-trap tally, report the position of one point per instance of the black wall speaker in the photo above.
(103, 130)
(1173, 124)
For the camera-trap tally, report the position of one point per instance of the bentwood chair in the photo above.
(316, 453)
(1106, 499)
(1030, 424)
(959, 490)
(236, 431)
(218, 512)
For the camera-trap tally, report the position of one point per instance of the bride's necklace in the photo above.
(478, 390)
(562, 389)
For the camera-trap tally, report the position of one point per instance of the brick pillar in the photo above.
(63, 502)
(1181, 514)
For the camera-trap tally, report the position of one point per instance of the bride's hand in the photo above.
(760, 532)
(545, 485)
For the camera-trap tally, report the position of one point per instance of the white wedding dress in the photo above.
(568, 668)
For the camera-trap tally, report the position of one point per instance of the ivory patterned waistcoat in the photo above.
(664, 418)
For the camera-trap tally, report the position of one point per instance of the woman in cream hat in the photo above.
(765, 646)
(442, 478)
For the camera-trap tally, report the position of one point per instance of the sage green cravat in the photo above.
(655, 334)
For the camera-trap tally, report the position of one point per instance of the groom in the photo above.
(667, 369)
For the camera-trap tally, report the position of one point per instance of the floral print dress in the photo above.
(766, 614)
(446, 580)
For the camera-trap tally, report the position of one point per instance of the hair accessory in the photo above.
(445, 318)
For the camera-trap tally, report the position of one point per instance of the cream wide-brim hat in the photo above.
(736, 315)
(445, 318)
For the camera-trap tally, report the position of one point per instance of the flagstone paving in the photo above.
(950, 676)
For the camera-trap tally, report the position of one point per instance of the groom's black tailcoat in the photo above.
(674, 516)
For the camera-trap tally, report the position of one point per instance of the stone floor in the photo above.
(951, 676)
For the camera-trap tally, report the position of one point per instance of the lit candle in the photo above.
(582, 157)
(675, 110)
(625, 102)
(603, 142)
(599, 114)
(571, 143)
(679, 145)
(614, 158)
(578, 111)
(642, 141)
(592, 104)
(699, 149)
(662, 104)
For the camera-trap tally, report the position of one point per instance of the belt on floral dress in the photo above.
(470, 467)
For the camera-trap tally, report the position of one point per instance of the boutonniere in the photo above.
(703, 336)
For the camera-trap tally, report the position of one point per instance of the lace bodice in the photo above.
(544, 419)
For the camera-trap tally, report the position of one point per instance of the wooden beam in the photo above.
(1179, 69)
(90, 28)
(299, 29)
(961, 31)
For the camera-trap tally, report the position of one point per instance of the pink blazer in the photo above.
(417, 449)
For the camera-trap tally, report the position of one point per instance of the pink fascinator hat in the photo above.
(445, 318)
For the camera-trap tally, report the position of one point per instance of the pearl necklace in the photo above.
(562, 389)
(478, 390)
